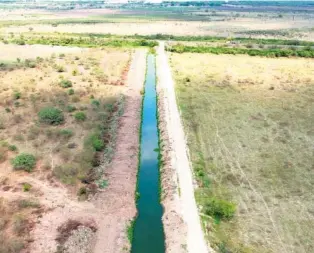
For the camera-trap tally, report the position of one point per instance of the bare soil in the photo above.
(117, 201)
(177, 179)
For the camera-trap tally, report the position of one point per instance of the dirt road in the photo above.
(187, 208)
(117, 201)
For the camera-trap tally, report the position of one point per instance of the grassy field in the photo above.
(58, 123)
(249, 123)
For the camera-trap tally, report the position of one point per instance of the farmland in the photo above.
(248, 122)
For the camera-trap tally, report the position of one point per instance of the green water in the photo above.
(148, 234)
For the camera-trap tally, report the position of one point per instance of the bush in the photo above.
(219, 208)
(65, 84)
(67, 133)
(27, 187)
(95, 103)
(74, 72)
(70, 92)
(67, 173)
(51, 115)
(60, 68)
(28, 203)
(17, 95)
(24, 162)
(94, 140)
(71, 108)
(30, 63)
(80, 116)
(12, 147)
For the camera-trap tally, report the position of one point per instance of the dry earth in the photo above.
(41, 211)
(117, 201)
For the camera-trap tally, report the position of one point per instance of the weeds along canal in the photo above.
(148, 234)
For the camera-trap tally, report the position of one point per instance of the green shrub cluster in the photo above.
(24, 162)
(80, 116)
(94, 140)
(51, 115)
(65, 83)
(272, 52)
(88, 42)
(218, 208)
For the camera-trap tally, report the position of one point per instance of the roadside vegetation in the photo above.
(307, 52)
(249, 126)
(56, 128)
(81, 41)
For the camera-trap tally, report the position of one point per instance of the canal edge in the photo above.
(174, 226)
(131, 223)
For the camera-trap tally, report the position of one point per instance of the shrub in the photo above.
(220, 208)
(30, 63)
(70, 92)
(28, 203)
(67, 173)
(95, 141)
(27, 187)
(17, 95)
(61, 55)
(65, 84)
(60, 68)
(82, 193)
(7, 110)
(12, 147)
(51, 115)
(71, 108)
(80, 116)
(19, 224)
(20, 42)
(67, 133)
(95, 103)
(24, 162)
(74, 72)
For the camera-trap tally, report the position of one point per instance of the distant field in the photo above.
(58, 120)
(249, 123)
(130, 24)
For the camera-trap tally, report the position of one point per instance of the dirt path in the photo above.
(117, 201)
(179, 162)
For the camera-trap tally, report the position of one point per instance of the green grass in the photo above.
(252, 147)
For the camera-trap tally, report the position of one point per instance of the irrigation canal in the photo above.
(148, 235)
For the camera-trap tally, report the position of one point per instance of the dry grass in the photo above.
(228, 27)
(249, 123)
(15, 222)
(68, 153)
(12, 52)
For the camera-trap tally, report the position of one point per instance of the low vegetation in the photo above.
(24, 162)
(269, 52)
(51, 116)
(249, 128)
(81, 42)
(63, 129)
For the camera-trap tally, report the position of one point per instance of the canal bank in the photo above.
(148, 234)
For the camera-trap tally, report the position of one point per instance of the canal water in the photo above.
(148, 236)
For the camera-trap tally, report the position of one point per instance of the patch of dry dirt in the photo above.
(117, 201)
